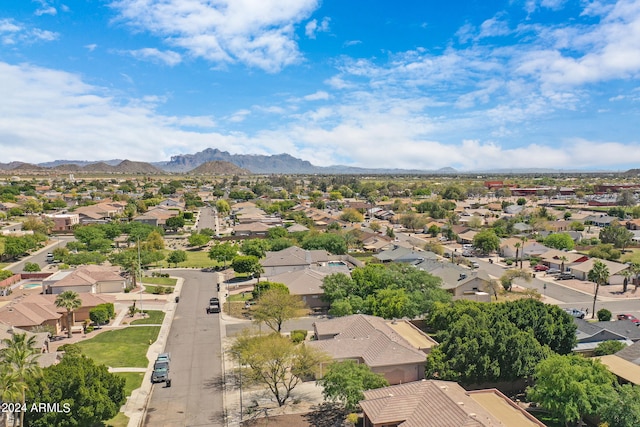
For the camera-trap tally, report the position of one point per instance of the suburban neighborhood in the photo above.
(250, 300)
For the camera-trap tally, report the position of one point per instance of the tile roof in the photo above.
(294, 256)
(367, 338)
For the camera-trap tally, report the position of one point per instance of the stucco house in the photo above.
(395, 349)
(436, 403)
(307, 284)
(86, 279)
(292, 259)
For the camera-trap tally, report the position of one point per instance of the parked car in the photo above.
(474, 264)
(580, 314)
(540, 267)
(553, 271)
(214, 306)
(163, 357)
(160, 372)
(630, 317)
(467, 254)
(565, 276)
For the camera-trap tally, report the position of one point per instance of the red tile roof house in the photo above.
(395, 349)
(436, 403)
(37, 310)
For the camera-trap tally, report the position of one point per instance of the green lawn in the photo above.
(633, 256)
(152, 289)
(165, 281)
(120, 420)
(195, 259)
(133, 381)
(238, 297)
(154, 317)
(121, 348)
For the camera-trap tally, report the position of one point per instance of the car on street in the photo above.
(214, 306)
(540, 267)
(160, 372)
(163, 357)
(474, 264)
(630, 317)
(580, 314)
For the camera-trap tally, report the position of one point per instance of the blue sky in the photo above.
(413, 84)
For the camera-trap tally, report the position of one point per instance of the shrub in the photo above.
(604, 315)
(509, 261)
(298, 336)
(90, 328)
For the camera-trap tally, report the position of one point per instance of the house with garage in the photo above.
(94, 279)
(554, 258)
(591, 334)
(581, 270)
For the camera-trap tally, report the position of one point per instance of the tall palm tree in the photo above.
(563, 259)
(599, 274)
(627, 274)
(10, 389)
(635, 268)
(517, 246)
(524, 240)
(70, 301)
(21, 357)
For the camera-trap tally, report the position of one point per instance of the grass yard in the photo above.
(238, 297)
(152, 289)
(133, 381)
(120, 420)
(154, 317)
(121, 348)
(164, 281)
(633, 256)
(195, 259)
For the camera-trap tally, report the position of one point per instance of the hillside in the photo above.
(219, 167)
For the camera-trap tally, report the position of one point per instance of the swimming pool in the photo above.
(32, 285)
(336, 264)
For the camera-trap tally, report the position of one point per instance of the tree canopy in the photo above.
(394, 290)
(89, 391)
(570, 387)
(275, 306)
(345, 382)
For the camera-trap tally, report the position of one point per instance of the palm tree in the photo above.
(563, 259)
(627, 274)
(599, 274)
(517, 246)
(20, 356)
(524, 240)
(635, 268)
(70, 301)
(10, 389)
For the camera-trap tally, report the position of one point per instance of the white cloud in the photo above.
(239, 116)
(167, 57)
(350, 43)
(45, 9)
(258, 33)
(494, 27)
(605, 51)
(12, 32)
(91, 47)
(317, 96)
(312, 27)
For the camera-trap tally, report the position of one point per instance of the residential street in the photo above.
(195, 397)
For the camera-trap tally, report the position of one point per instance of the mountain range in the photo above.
(223, 163)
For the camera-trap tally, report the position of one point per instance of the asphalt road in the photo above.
(41, 256)
(195, 396)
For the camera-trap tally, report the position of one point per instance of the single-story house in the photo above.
(41, 310)
(461, 282)
(437, 403)
(590, 334)
(554, 258)
(86, 279)
(398, 253)
(581, 271)
(531, 248)
(251, 229)
(395, 349)
(307, 284)
(292, 259)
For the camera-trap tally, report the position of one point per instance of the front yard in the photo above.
(121, 348)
